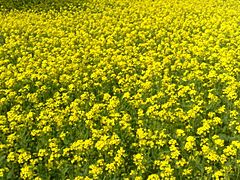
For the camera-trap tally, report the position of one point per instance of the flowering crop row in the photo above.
(121, 89)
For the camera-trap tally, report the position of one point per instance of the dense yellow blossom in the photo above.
(120, 89)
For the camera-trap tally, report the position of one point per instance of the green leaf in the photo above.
(2, 40)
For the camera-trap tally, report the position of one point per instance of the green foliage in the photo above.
(37, 4)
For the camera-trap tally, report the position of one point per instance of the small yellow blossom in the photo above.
(180, 132)
(153, 177)
(2, 172)
(190, 143)
(26, 172)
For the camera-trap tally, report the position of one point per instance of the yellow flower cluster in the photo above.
(121, 89)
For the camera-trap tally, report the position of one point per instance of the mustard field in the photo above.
(120, 89)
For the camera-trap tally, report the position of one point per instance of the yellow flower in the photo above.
(110, 167)
(223, 158)
(26, 172)
(238, 129)
(221, 109)
(2, 172)
(37, 178)
(138, 158)
(181, 162)
(213, 156)
(187, 172)
(218, 174)
(23, 157)
(11, 157)
(62, 135)
(138, 178)
(153, 177)
(208, 169)
(42, 152)
(180, 132)
(190, 143)
(126, 95)
(95, 170)
(218, 141)
(230, 150)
